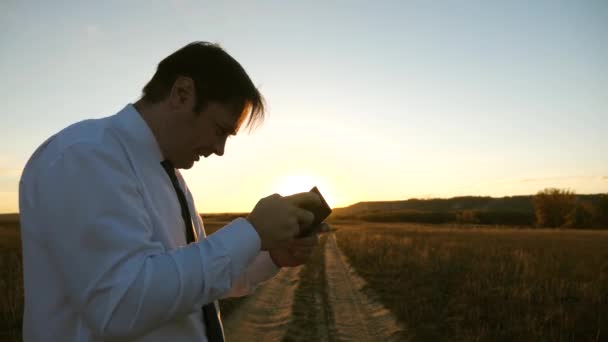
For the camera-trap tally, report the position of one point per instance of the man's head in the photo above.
(197, 98)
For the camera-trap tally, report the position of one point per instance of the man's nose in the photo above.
(219, 147)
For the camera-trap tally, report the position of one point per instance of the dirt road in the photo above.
(356, 316)
(265, 316)
(346, 313)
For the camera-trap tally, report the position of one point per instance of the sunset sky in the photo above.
(369, 100)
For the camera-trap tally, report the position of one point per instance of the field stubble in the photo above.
(442, 283)
(485, 284)
(11, 281)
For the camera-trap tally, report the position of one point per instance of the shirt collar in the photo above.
(140, 137)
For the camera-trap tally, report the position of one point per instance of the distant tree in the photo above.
(552, 206)
(580, 216)
(504, 217)
(408, 216)
(599, 212)
(467, 216)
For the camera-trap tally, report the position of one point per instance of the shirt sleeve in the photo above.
(98, 236)
(260, 270)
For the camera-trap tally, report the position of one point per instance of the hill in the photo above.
(509, 210)
(515, 203)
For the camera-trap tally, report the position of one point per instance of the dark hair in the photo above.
(217, 78)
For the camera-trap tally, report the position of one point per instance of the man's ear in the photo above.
(182, 93)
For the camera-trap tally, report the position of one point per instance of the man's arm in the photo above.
(260, 270)
(99, 238)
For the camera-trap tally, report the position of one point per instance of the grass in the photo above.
(447, 284)
(11, 279)
(442, 283)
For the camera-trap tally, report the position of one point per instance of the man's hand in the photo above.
(295, 253)
(278, 219)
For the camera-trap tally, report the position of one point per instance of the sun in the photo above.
(291, 184)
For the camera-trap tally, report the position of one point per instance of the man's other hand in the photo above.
(278, 219)
(295, 253)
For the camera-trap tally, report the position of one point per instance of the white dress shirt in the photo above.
(104, 244)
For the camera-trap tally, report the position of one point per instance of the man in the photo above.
(113, 247)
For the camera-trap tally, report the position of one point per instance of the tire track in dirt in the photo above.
(266, 315)
(356, 317)
(311, 318)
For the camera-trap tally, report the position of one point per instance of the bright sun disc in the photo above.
(292, 184)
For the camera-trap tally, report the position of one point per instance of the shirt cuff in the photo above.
(240, 241)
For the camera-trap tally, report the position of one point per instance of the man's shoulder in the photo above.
(89, 135)
(86, 132)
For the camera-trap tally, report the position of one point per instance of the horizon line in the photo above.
(399, 200)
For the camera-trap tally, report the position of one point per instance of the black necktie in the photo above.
(215, 331)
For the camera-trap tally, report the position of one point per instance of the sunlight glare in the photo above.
(291, 184)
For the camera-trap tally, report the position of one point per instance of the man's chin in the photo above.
(186, 165)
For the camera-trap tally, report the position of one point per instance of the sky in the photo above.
(368, 100)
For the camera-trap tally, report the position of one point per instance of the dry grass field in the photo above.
(11, 283)
(457, 283)
(440, 283)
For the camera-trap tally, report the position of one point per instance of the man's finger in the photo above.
(305, 241)
(304, 199)
(305, 217)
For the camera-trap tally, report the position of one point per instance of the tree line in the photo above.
(551, 208)
(562, 208)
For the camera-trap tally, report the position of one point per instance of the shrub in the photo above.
(552, 206)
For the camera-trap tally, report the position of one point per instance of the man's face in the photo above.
(188, 135)
(201, 134)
